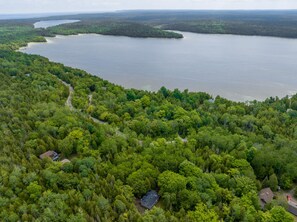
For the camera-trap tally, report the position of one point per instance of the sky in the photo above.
(47, 6)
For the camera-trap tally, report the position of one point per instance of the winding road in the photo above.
(69, 99)
(68, 103)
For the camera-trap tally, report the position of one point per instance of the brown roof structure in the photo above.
(50, 154)
(266, 196)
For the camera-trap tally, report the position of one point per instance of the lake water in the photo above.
(50, 23)
(236, 67)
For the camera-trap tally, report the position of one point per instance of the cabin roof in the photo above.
(150, 199)
(292, 207)
(266, 195)
(50, 154)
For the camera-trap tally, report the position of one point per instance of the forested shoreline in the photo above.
(130, 29)
(274, 23)
(207, 157)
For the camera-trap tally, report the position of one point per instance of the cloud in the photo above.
(37, 6)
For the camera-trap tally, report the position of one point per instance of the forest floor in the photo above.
(138, 206)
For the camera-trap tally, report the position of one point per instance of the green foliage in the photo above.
(206, 160)
(130, 29)
(155, 215)
(279, 214)
(202, 214)
(171, 182)
(34, 190)
(273, 182)
(15, 35)
(143, 179)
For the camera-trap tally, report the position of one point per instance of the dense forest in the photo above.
(113, 28)
(206, 157)
(262, 23)
(14, 35)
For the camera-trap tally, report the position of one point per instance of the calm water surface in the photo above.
(236, 67)
(50, 23)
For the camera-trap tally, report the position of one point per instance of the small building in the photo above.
(65, 161)
(150, 199)
(292, 206)
(50, 154)
(266, 196)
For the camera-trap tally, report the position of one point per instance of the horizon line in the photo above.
(123, 10)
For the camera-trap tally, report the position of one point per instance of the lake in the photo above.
(50, 23)
(236, 67)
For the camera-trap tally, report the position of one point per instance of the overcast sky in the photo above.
(38, 6)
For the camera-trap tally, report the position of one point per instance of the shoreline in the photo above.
(244, 97)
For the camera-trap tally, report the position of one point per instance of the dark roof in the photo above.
(266, 195)
(150, 199)
(292, 208)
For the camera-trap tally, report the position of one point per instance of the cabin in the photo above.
(150, 199)
(266, 196)
(50, 154)
(292, 206)
(65, 161)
